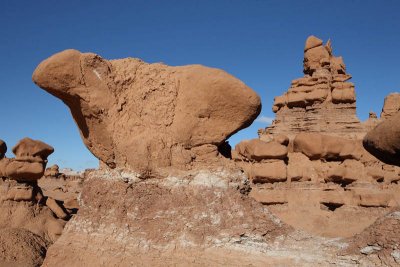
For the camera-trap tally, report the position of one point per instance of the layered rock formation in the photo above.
(322, 101)
(148, 116)
(27, 216)
(327, 180)
(227, 212)
(29, 163)
(321, 183)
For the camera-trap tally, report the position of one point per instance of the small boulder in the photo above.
(257, 150)
(384, 140)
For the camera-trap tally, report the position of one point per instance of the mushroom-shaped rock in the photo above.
(147, 116)
(384, 140)
(318, 146)
(30, 162)
(3, 149)
(32, 150)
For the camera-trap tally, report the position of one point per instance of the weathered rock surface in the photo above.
(20, 247)
(318, 146)
(147, 116)
(22, 203)
(237, 212)
(22, 206)
(322, 101)
(380, 242)
(384, 140)
(30, 162)
(201, 218)
(391, 105)
(331, 181)
(52, 171)
(257, 150)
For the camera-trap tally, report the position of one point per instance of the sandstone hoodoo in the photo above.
(323, 101)
(142, 116)
(325, 179)
(29, 163)
(25, 215)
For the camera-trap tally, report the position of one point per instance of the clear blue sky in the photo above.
(259, 42)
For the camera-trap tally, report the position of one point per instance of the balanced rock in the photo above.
(30, 162)
(147, 116)
(384, 140)
(318, 146)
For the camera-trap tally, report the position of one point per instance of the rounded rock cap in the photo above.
(312, 42)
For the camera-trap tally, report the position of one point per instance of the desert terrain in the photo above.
(318, 187)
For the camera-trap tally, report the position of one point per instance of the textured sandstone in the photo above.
(384, 140)
(318, 146)
(52, 171)
(30, 162)
(391, 105)
(345, 173)
(20, 247)
(147, 116)
(322, 101)
(56, 208)
(299, 167)
(268, 172)
(257, 150)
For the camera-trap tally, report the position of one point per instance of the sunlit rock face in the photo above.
(323, 101)
(29, 163)
(142, 116)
